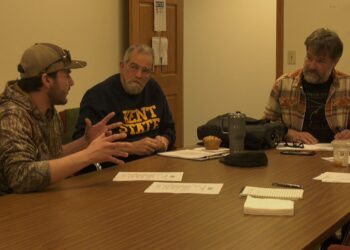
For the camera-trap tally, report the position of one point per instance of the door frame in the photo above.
(279, 37)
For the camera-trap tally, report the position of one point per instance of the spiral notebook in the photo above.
(275, 193)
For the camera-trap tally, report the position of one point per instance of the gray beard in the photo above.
(312, 77)
(132, 88)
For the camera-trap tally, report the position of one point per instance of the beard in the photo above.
(57, 97)
(312, 76)
(133, 87)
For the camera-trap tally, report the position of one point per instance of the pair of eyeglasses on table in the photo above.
(296, 149)
(293, 144)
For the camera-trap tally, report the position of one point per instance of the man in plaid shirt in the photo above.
(314, 102)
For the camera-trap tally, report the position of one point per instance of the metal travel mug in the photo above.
(236, 131)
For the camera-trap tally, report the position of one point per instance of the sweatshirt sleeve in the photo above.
(20, 170)
(167, 126)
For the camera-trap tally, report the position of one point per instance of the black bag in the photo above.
(260, 134)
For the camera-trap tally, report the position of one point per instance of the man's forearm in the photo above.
(74, 146)
(66, 166)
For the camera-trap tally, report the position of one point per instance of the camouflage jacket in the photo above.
(28, 139)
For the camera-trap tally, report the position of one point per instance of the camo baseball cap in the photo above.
(46, 58)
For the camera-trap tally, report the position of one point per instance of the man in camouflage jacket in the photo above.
(31, 151)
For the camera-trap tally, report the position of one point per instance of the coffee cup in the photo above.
(341, 151)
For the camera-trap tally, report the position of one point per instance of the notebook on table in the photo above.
(265, 206)
(275, 193)
(198, 154)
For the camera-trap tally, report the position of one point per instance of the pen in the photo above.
(288, 185)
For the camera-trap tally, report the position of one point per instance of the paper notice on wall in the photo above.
(159, 15)
(160, 48)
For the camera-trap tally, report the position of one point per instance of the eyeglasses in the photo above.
(65, 58)
(135, 68)
(294, 144)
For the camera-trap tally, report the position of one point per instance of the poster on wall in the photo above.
(159, 15)
(160, 48)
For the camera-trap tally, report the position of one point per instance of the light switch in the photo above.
(291, 57)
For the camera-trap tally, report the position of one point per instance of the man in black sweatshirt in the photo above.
(138, 102)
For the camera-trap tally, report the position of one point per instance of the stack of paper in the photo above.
(276, 193)
(258, 206)
(198, 154)
(334, 177)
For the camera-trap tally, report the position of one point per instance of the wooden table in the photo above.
(92, 212)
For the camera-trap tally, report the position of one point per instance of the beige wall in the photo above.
(229, 59)
(304, 16)
(229, 48)
(95, 31)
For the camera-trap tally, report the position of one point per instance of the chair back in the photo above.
(69, 119)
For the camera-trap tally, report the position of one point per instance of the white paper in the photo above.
(148, 176)
(159, 15)
(319, 178)
(331, 159)
(313, 147)
(160, 48)
(197, 153)
(184, 188)
(334, 177)
(258, 206)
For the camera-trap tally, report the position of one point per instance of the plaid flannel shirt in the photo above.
(28, 141)
(287, 102)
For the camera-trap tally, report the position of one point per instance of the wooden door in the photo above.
(170, 77)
